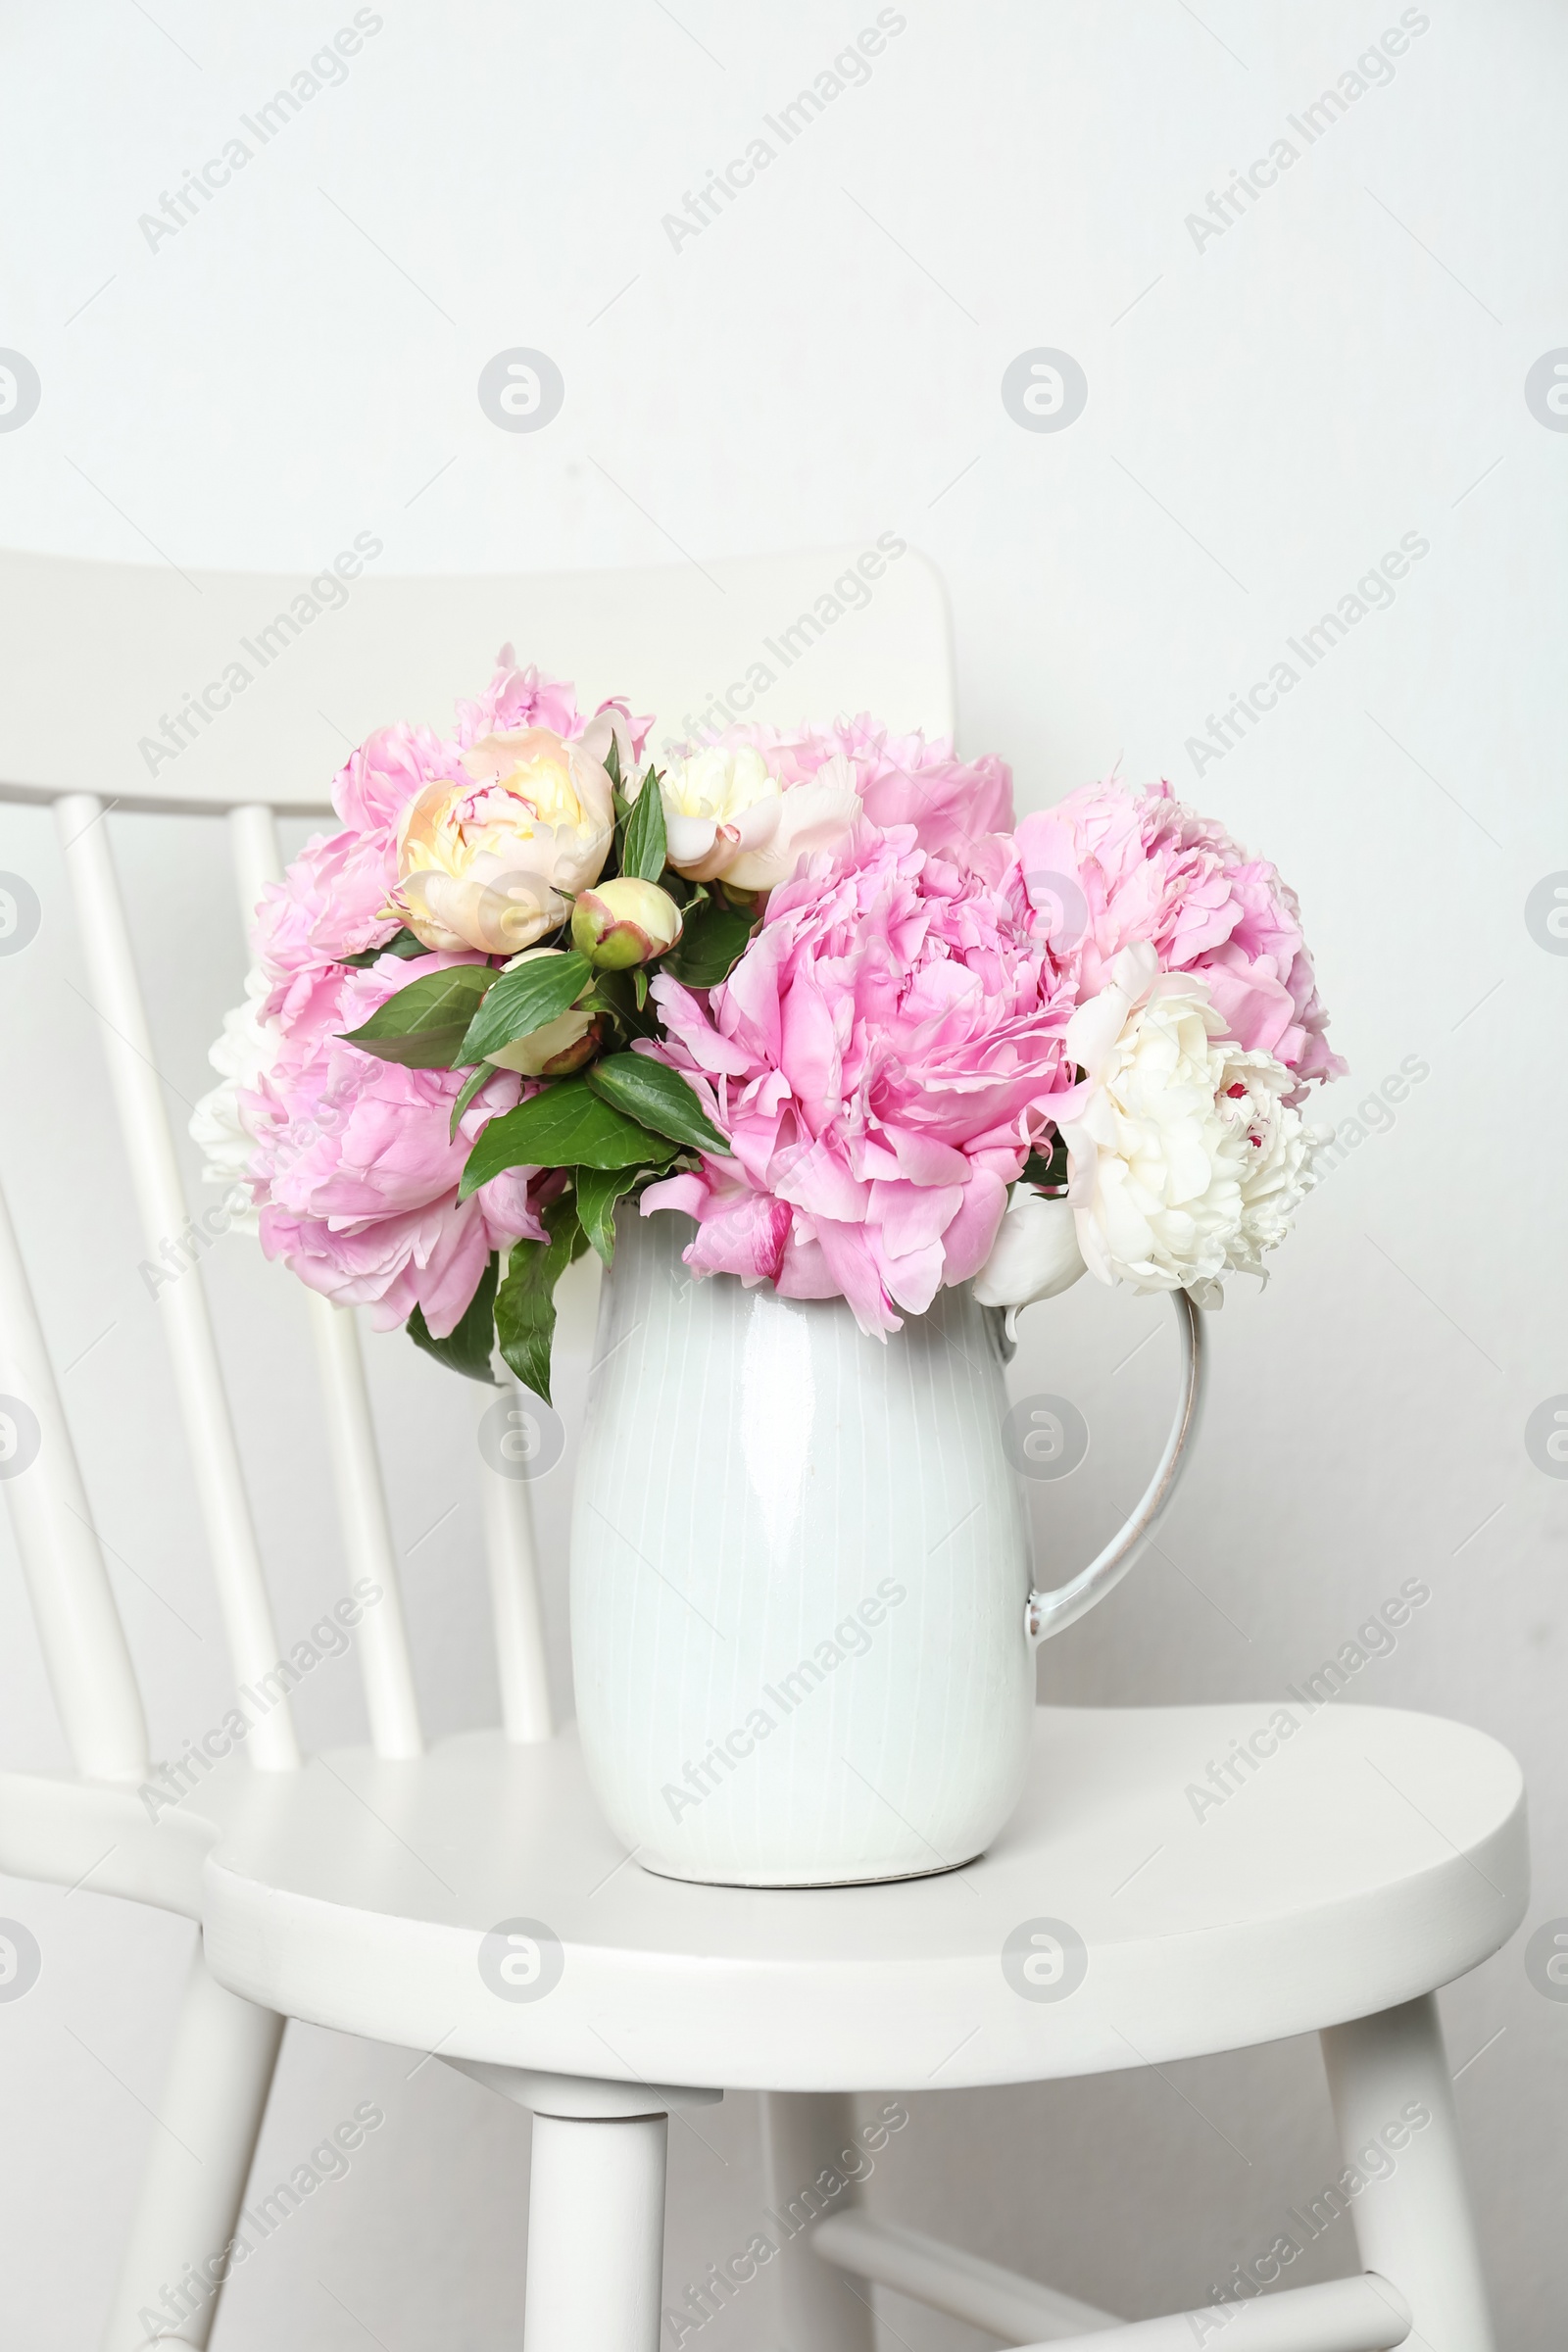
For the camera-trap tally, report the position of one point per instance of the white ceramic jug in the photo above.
(802, 1631)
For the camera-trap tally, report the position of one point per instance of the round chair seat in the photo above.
(1142, 1905)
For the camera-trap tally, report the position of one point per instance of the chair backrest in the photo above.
(237, 695)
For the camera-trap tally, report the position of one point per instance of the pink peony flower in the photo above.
(902, 779)
(355, 1174)
(1107, 868)
(331, 902)
(881, 1059)
(390, 768)
(521, 698)
(517, 698)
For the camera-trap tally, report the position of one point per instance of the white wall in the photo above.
(1267, 414)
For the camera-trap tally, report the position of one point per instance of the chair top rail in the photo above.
(212, 690)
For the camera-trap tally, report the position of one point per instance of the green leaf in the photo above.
(424, 1024)
(615, 993)
(639, 985)
(1046, 1170)
(642, 852)
(525, 1305)
(470, 1348)
(711, 945)
(524, 1001)
(564, 1126)
(470, 1087)
(613, 765)
(660, 1098)
(598, 1191)
(402, 943)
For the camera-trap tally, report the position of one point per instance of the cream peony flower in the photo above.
(242, 1055)
(1185, 1162)
(728, 819)
(1034, 1256)
(481, 863)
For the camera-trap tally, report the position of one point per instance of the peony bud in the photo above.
(624, 922)
(1034, 1256)
(561, 1045)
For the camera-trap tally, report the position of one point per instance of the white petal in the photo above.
(1035, 1254)
(687, 839)
(812, 817)
(1095, 1027)
(498, 918)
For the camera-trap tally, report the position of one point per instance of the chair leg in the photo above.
(1393, 2104)
(819, 2309)
(198, 2164)
(596, 2235)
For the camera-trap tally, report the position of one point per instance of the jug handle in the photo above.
(1048, 1613)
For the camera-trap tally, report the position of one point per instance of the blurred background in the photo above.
(1280, 370)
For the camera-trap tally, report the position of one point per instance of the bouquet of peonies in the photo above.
(817, 989)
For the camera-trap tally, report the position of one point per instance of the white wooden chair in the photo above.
(621, 1995)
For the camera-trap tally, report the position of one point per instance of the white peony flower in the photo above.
(1185, 1162)
(728, 819)
(242, 1055)
(1034, 1256)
